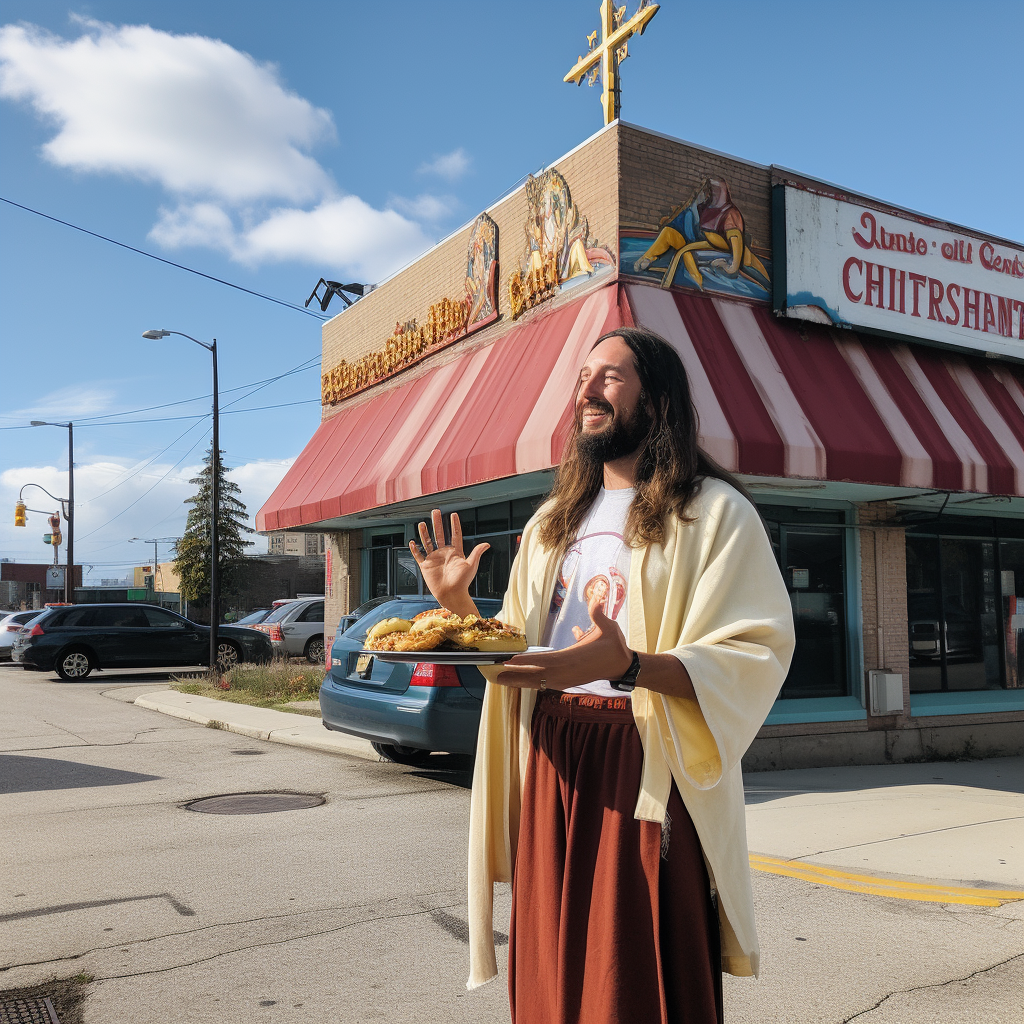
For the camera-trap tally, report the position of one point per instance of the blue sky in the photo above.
(270, 144)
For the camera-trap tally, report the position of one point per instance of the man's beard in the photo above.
(622, 438)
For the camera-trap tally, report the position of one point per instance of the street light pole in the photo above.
(156, 335)
(69, 576)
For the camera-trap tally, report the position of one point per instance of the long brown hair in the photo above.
(671, 467)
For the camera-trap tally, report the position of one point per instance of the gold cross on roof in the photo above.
(605, 56)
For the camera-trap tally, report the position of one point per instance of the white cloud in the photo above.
(339, 233)
(191, 113)
(64, 404)
(450, 166)
(220, 133)
(149, 518)
(427, 207)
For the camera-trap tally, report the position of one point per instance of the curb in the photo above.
(257, 723)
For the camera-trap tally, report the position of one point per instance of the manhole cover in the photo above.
(30, 1010)
(255, 803)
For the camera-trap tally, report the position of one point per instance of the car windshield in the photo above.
(280, 612)
(257, 616)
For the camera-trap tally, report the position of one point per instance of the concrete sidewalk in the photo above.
(257, 723)
(954, 824)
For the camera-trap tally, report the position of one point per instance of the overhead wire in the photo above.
(180, 266)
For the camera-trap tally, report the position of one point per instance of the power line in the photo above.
(141, 496)
(142, 252)
(89, 421)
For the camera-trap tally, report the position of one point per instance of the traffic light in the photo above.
(20, 519)
(53, 537)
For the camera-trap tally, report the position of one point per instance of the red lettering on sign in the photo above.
(1005, 317)
(935, 291)
(847, 267)
(952, 302)
(985, 251)
(918, 282)
(867, 220)
(873, 283)
(1019, 306)
(990, 313)
(972, 307)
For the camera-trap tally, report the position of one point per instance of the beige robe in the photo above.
(712, 596)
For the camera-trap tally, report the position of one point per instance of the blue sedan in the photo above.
(405, 711)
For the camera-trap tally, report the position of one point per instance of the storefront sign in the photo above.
(447, 321)
(856, 265)
(559, 245)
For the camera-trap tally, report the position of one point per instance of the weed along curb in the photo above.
(256, 723)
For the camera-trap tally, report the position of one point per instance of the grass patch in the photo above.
(262, 686)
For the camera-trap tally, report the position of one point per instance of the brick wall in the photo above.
(591, 174)
(884, 555)
(657, 174)
(342, 589)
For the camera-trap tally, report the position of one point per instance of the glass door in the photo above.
(814, 568)
(381, 573)
(954, 615)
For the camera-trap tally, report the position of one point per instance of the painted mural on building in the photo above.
(481, 273)
(447, 321)
(559, 246)
(702, 243)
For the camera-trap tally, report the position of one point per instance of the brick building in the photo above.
(23, 585)
(856, 364)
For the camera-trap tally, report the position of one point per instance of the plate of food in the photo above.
(440, 637)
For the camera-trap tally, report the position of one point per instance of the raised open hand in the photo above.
(447, 571)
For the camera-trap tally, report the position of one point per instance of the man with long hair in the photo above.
(607, 785)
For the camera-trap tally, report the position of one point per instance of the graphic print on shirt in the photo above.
(596, 564)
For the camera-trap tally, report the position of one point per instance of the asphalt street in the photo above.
(354, 910)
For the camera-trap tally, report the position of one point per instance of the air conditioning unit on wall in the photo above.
(886, 692)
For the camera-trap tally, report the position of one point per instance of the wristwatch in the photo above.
(627, 682)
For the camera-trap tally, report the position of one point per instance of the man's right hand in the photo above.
(446, 570)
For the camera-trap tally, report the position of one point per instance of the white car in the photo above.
(11, 625)
(297, 627)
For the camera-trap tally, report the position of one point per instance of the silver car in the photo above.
(11, 625)
(297, 628)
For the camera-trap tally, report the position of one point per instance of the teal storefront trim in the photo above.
(965, 702)
(799, 710)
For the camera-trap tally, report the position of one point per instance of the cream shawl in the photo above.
(712, 596)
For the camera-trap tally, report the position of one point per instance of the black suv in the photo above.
(75, 640)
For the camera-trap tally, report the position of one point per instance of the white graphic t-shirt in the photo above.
(597, 563)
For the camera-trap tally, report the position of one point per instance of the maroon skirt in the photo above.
(612, 918)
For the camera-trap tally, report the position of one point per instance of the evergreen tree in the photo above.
(192, 561)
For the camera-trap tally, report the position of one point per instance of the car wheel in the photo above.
(315, 650)
(228, 655)
(73, 664)
(402, 755)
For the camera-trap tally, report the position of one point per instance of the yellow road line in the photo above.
(875, 886)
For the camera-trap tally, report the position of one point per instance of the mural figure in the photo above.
(708, 236)
(481, 268)
(559, 246)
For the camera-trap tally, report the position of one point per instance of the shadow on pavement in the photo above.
(455, 769)
(22, 774)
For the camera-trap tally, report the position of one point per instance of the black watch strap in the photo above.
(628, 680)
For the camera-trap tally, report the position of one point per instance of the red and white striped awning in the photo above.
(825, 404)
(774, 399)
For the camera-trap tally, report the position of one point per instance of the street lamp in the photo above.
(69, 579)
(156, 335)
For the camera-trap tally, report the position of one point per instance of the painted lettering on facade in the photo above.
(447, 321)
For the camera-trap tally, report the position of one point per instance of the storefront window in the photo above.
(954, 614)
(812, 556)
(1011, 591)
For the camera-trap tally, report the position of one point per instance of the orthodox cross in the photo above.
(605, 56)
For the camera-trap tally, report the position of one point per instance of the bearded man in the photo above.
(607, 785)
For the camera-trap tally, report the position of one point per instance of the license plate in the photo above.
(363, 663)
